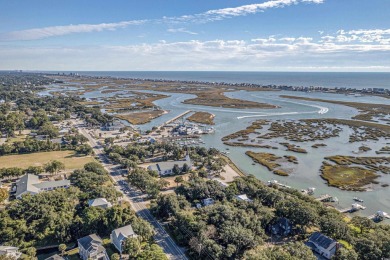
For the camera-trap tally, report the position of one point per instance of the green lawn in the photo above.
(69, 158)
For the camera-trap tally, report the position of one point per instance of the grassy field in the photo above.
(218, 99)
(202, 118)
(347, 178)
(141, 118)
(38, 159)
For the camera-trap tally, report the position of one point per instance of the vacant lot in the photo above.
(39, 159)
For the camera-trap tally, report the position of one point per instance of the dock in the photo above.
(177, 117)
(379, 216)
(324, 198)
(354, 207)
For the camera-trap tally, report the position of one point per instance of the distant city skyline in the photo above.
(184, 35)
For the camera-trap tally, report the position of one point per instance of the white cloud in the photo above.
(181, 30)
(41, 33)
(208, 16)
(258, 54)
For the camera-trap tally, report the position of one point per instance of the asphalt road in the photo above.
(135, 197)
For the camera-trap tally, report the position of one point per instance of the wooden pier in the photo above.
(177, 117)
(353, 208)
(324, 197)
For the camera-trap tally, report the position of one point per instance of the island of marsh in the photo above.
(346, 177)
(273, 162)
(202, 118)
(140, 118)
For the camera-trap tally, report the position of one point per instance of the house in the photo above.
(208, 202)
(243, 197)
(100, 202)
(322, 244)
(55, 257)
(119, 235)
(282, 227)
(30, 183)
(91, 247)
(10, 251)
(222, 183)
(166, 168)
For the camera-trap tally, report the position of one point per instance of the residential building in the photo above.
(282, 227)
(323, 245)
(119, 235)
(100, 202)
(166, 168)
(208, 202)
(243, 197)
(10, 251)
(30, 183)
(91, 247)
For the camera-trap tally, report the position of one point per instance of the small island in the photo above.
(272, 162)
(140, 118)
(346, 177)
(202, 118)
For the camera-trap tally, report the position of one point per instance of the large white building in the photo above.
(30, 184)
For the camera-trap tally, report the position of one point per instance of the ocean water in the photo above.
(356, 80)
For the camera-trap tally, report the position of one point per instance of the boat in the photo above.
(308, 191)
(358, 199)
(334, 199)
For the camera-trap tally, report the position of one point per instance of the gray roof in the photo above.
(163, 166)
(124, 232)
(91, 242)
(52, 184)
(30, 183)
(321, 240)
(99, 202)
(25, 184)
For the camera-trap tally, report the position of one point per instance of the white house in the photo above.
(10, 251)
(100, 202)
(243, 197)
(119, 235)
(91, 247)
(30, 183)
(322, 244)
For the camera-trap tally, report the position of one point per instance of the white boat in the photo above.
(358, 199)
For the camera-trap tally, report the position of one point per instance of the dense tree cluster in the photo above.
(231, 229)
(63, 215)
(147, 181)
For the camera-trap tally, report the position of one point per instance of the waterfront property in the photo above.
(119, 235)
(282, 227)
(10, 251)
(166, 168)
(100, 202)
(243, 197)
(322, 244)
(91, 247)
(30, 184)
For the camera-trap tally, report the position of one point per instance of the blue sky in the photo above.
(242, 35)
